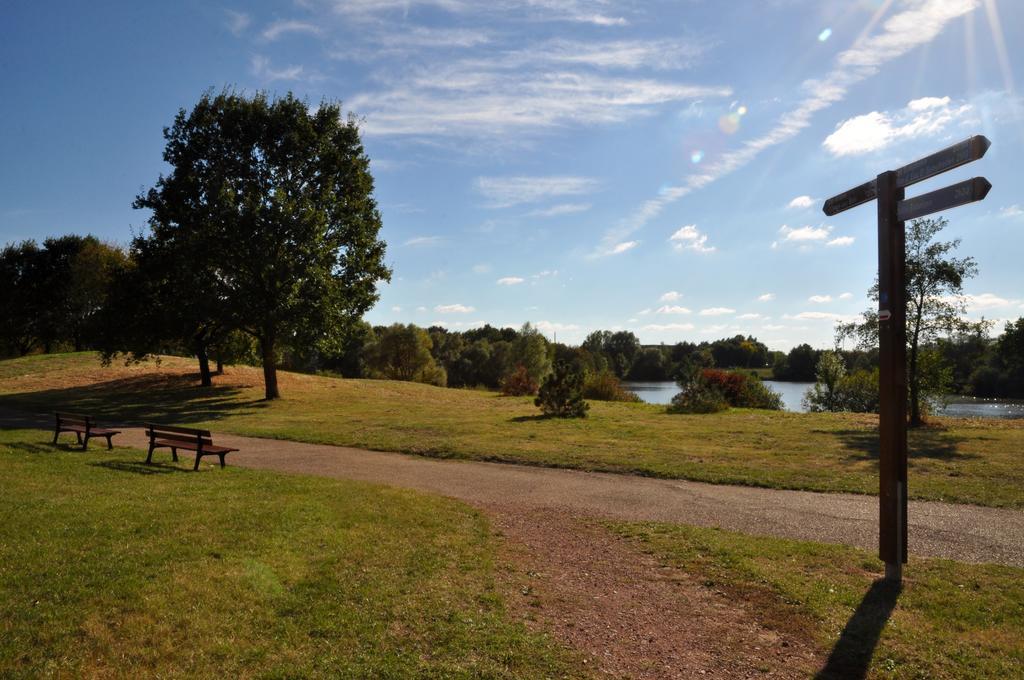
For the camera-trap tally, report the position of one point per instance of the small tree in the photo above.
(823, 395)
(935, 304)
(402, 352)
(561, 395)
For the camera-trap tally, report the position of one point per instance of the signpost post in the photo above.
(893, 210)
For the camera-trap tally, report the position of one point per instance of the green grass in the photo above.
(109, 567)
(951, 620)
(970, 461)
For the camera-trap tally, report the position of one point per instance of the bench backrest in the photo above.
(180, 434)
(74, 419)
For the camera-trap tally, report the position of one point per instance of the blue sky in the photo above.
(580, 164)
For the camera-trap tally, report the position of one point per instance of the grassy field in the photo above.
(951, 620)
(111, 568)
(971, 461)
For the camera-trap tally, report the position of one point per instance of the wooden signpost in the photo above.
(893, 209)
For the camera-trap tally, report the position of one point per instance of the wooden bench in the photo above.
(174, 438)
(84, 428)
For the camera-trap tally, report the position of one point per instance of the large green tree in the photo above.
(936, 307)
(274, 200)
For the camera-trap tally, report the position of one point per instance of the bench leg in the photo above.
(221, 460)
(55, 435)
(174, 454)
(199, 457)
(79, 435)
(149, 458)
(85, 442)
(110, 446)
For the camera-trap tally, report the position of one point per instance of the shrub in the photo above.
(856, 392)
(742, 390)
(604, 386)
(518, 383)
(561, 395)
(698, 397)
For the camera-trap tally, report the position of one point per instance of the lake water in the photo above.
(793, 392)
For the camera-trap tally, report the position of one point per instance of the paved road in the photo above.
(962, 532)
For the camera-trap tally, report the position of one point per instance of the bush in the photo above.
(604, 386)
(742, 390)
(856, 392)
(518, 383)
(561, 395)
(698, 397)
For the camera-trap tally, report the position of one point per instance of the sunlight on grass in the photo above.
(109, 567)
(971, 461)
(951, 620)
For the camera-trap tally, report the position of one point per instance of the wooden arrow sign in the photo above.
(961, 193)
(851, 198)
(971, 149)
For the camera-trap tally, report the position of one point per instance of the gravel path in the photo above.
(962, 532)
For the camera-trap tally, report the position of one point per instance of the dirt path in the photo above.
(963, 532)
(631, 616)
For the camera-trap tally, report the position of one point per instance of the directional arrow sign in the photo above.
(968, 191)
(971, 149)
(851, 198)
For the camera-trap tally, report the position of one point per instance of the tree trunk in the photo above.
(269, 367)
(204, 365)
(220, 363)
(915, 390)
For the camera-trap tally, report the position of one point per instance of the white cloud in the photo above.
(668, 327)
(918, 24)
(672, 309)
(671, 296)
(749, 315)
(801, 202)
(1012, 212)
(421, 309)
(840, 242)
(644, 312)
(454, 309)
(985, 301)
(261, 68)
(497, 98)
(555, 327)
(237, 22)
(820, 299)
(510, 281)
(396, 309)
(846, 296)
(481, 268)
(504, 192)
(623, 247)
(806, 233)
(773, 327)
(424, 241)
(925, 117)
(814, 316)
(767, 297)
(717, 311)
(560, 209)
(279, 28)
(690, 238)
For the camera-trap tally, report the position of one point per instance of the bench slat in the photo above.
(177, 430)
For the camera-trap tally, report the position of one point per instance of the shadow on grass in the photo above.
(530, 419)
(922, 443)
(32, 447)
(851, 656)
(138, 467)
(136, 400)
